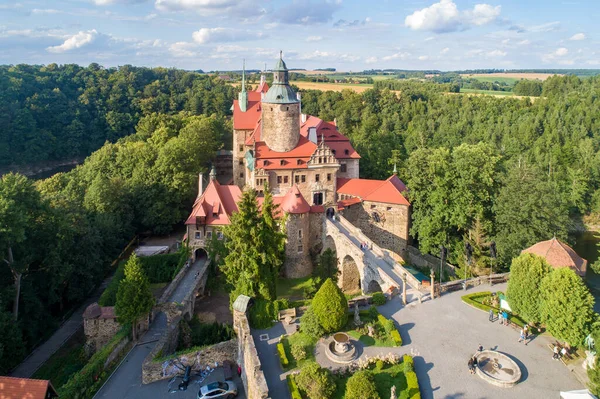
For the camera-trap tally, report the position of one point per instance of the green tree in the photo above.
(326, 267)
(330, 307)
(310, 324)
(361, 385)
(134, 297)
(567, 307)
(527, 272)
(315, 382)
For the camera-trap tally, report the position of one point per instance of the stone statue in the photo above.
(371, 330)
(357, 321)
(589, 341)
(393, 393)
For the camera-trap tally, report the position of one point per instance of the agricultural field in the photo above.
(489, 92)
(509, 76)
(359, 88)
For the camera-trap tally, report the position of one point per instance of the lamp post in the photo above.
(468, 254)
(493, 254)
(443, 254)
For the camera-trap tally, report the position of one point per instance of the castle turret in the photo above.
(280, 112)
(243, 96)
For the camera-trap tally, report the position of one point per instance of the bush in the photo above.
(362, 385)
(331, 307)
(316, 382)
(262, 314)
(523, 293)
(409, 363)
(412, 383)
(373, 312)
(282, 356)
(109, 296)
(396, 337)
(379, 365)
(388, 324)
(299, 352)
(309, 324)
(378, 299)
(203, 334)
(293, 387)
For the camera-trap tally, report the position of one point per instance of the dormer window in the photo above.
(299, 162)
(333, 152)
(265, 162)
(282, 162)
(346, 152)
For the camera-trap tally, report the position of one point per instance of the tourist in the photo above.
(470, 364)
(556, 354)
(501, 317)
(526, 331)
(474, 359)
(522, 335)
(505, 317)
(491, 318)
(563, 351)
(480, 348)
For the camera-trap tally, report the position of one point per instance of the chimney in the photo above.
(200, 185)
(303, 116)
(213, 173)
(299, 97)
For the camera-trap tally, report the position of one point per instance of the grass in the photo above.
(302, 339)
(385, 378)
(68, 360)
(365, 339)
(292, 288)
(476, 300)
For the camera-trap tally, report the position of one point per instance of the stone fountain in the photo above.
(340, 348)
(498, 369)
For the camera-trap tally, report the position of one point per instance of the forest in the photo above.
(478, 168)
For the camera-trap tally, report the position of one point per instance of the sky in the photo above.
(350, 35)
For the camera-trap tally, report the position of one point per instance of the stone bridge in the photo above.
(369, 269)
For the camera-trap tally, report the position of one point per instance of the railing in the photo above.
(473, 282)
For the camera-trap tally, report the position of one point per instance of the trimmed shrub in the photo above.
(309, 324)
(298, 352)
(409, 363)
(378, 299)
(379, 365)
(412, 385)
(362, 386)
(330, 306)
(262, 314)
(282, 356)
(316, 382)
(291, 381)
(396, 337)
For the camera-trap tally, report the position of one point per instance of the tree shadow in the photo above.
(422, 369)
(403, 329)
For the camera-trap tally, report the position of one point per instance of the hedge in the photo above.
(470, 300)
(412, 383)
(378, 299)
(87, 381)
(390, 329)
(395, 336)
(293, 387)
(282, 356)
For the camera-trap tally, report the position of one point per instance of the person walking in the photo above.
(470, 364)
(556, 354)
(491, 318)
(526, 331)
(522, 335)
(505, 317)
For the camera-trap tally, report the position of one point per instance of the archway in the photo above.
(329, 244)
(200, 253)
(330, 213)
(350, 278)
(374, 287)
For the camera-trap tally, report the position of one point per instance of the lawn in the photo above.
(385, 378)
(65, 362)
(481, 300)
(292, 288)
(302, 339)
(381, 338)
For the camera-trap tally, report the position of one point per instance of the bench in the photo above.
(285, 313)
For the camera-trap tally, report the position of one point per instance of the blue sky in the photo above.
(350, 35)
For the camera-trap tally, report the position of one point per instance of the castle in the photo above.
(311, 169)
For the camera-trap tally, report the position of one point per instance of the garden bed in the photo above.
(482, 301)
(297, 339)
(386, 334)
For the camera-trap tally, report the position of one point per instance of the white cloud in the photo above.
(496, 53)
(220, 35)
(371, 60)
(578, 36)
(239, 8)
(307, 12)
(397, 56)
(524, 42)
(314, 38)
(183, 49)
(446, 17)
(428, 39)
(423, 57)
(561, 52)
(445, 50)
(547, 27)
(74, 42)
(558, 56)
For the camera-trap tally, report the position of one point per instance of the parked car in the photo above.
(218, 390)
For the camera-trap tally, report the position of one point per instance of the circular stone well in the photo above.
(498, 369)
(339, 348)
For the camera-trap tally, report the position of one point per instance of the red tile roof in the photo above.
(247, 120)
(263, 87)
(25, 388)
(387, 191)
(304, 149)
(347, 202)
(558, 254)
(294, 202)
(216, 204)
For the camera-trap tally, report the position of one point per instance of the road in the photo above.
(126, 381)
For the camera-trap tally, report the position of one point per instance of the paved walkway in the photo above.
(442, 333)
(126, 381)
(43, 352)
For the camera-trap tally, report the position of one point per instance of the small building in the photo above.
(26, 388)
(558, 254)
(99, 326)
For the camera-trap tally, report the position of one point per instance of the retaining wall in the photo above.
(253, 376)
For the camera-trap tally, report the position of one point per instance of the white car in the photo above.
(218, 390)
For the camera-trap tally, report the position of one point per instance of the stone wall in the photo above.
(297, 249)
(280, 126)
(415, 257)
(352, 169)
(98, 332)
(253, 376)
(239, 149)
(391, 229)
(156, 370)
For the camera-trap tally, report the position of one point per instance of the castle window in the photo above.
(198, 235)
(343, 168)
(299, 233)
(285, 180)
(265, 162)
(346, 152)
(241, 161)
(333, 151)
(278, 179)
(303, 178)
(209, 234)
(219, 235)
(299, 162)
(320, 160)
(287, 108)
(389, 208)
(318, 199)
(241, 148)
(373, 206)
(317, 176)
(282, 162)
(242, 174)
(297, 179)
(328, 176)
(300, 249)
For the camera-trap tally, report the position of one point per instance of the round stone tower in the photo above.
(280, 112)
